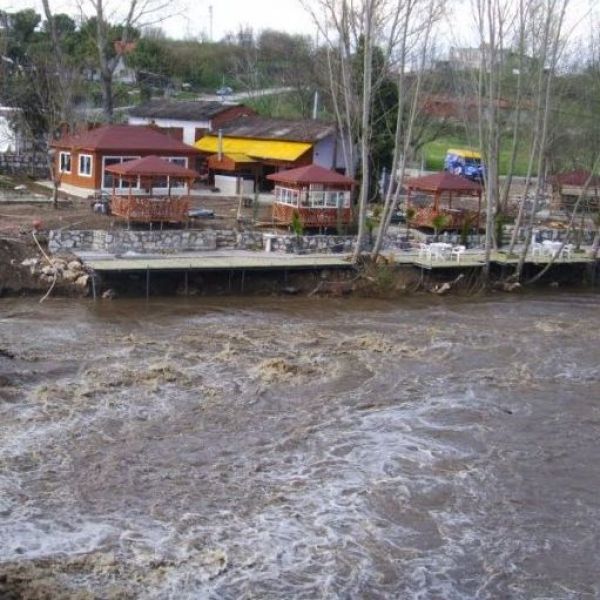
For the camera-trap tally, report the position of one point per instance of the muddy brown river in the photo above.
(300, 448)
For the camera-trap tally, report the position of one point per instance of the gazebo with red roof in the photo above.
(321, 197)
(450, 187)
(145, 174)
(569, 185)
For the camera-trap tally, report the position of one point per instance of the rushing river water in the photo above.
(285, 448)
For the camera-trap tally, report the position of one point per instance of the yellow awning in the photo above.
(239, 158)
(269, 149)
(464, 153)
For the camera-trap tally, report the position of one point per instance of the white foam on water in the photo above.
(42, 538)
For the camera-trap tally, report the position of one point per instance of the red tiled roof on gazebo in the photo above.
(444, 182)
(577, 178)
(151, 166)
(141, 207)
(312, 174)
(450, 186)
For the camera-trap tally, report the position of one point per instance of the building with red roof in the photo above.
(568, 186)
(147, 174)
(320, 197)
(81, 158)
(447, 188)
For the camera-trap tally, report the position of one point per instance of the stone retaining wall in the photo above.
(142, 242)
(315, 244)
(191, 240)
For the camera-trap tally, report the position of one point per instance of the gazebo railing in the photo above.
(312, 216)
(456, 218)
(147, 209)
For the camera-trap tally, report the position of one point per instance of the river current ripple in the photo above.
(286, 448)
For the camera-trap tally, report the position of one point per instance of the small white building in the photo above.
(187, 121)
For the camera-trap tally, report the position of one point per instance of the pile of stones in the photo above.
(66, 271)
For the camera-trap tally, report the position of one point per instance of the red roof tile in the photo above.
(443, 182)
(311, 174)
(124, 138)
(577, 178)
(151, 166)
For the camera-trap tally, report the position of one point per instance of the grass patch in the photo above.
(278, 106)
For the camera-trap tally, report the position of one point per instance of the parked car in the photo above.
(225, 91)
(466, 163)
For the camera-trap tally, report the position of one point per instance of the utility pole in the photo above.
(315, 114)
(210, 20)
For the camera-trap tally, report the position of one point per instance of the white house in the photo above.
(187, 121)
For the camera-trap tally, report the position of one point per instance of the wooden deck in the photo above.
(477, 259)
(211, 262)
(273, 261)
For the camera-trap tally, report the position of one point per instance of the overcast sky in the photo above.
(285, 15)
(193, 20)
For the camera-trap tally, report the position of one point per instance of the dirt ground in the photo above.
(29, 209)
(19, 217)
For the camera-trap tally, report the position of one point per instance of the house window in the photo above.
(65, 162)
(85, 165)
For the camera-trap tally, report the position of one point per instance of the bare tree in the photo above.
(352, 30)
(553, 31)
(127, 17)
(57, 100)
(415, 35)
(493, 20)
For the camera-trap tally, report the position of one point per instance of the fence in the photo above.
(24, 164)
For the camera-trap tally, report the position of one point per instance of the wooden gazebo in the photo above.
(568, 186)
(322, 198)
(143, 175)
(445, 188)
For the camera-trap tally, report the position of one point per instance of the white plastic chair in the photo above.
(567, 251)
(537, 249)
(457, 252)
(424, 251)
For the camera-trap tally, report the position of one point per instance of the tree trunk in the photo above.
(365, 142)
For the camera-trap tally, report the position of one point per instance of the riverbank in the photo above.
(222, 258)
(24, 270)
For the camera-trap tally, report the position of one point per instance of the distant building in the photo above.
(567, 187)
(471, 59)
(81, 158)
(445, 106)
(465, 58)
(121, 73)
(187, 121)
